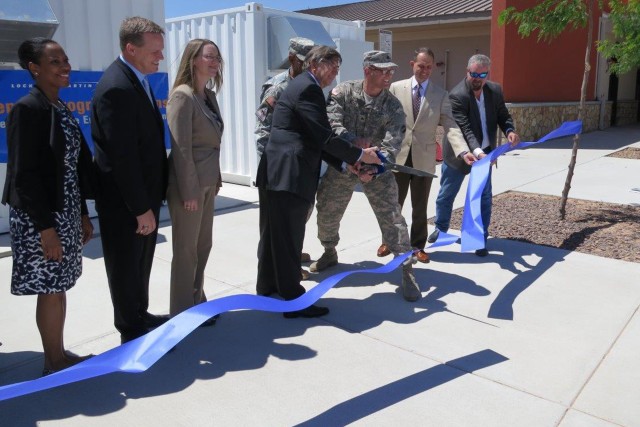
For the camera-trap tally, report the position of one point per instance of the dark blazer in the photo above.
(35, 167)
(128, 134)
(466, 114)
(301, 137)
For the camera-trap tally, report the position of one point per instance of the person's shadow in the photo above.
(515, 257)
(514, 253)
(240, 341)
(375, 400)
(360, 315)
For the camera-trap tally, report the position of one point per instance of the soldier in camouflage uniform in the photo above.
(273, 88)
(366, 109)
(271, 91)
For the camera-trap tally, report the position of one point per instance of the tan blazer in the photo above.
(420, 136)
(194, 162)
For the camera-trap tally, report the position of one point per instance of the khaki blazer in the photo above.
(194, 162)
(420, 136)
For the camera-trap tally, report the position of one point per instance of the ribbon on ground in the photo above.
(472, 232)
(140, 354)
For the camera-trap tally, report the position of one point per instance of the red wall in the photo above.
(532, 71)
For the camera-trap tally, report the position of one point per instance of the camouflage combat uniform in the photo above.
(352, 114)
(271, 88)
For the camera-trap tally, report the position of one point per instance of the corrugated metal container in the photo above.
(243, 36)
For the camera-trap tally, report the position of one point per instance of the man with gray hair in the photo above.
(271, 91)
(301, 137)
(366, 109)
(479, 109)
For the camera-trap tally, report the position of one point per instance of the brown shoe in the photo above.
(422, 256)
(305, 257)
(383, 250)
(304, 274)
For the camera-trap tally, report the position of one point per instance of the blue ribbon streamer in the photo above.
(140, 354)
(472, 232)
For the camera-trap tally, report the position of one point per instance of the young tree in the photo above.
(550, 18)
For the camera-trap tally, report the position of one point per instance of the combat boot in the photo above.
(328, 259)
(410, 288)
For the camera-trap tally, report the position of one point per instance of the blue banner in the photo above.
(472, 233)
(14, 84)
(140, 354)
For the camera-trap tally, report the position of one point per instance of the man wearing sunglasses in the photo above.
(366, 109)
(479, 109)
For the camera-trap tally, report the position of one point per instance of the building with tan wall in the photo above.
(541, 81)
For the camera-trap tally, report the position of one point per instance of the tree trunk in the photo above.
(581, 109)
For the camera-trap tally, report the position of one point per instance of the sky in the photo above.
(175, 8)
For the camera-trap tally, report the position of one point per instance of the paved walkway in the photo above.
(529, 336)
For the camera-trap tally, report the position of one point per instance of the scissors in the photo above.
(388, 165)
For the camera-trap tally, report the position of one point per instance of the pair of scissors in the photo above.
(388, 165)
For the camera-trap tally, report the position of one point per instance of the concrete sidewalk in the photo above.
(529, 336)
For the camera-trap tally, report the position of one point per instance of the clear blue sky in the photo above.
(175, 8)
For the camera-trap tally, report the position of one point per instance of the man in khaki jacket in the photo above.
(426, 106)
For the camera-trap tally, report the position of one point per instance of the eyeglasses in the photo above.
(479, 75)
(212, 58)
(386, 72)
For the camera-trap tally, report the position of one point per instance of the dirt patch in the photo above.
(627, 153)
(597, 228)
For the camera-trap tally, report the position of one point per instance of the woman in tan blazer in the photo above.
(195, 125)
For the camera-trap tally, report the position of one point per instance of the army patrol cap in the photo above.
(378, 59)
(299, 46)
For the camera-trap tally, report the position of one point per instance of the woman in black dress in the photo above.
(48, 171)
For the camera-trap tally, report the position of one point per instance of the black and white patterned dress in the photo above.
(32, 274)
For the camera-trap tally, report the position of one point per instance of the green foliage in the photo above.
(549, 18)
(625, 17)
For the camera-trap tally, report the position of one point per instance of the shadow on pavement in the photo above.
(240, 341)
(512, 258)
(390, 394)
(10, 362)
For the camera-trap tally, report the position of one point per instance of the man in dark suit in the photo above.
(479, 109)
(288, 173)
(128, 133)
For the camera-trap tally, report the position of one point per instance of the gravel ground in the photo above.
(603, 229)
(627, 153)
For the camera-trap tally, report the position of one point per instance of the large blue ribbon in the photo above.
(140, 354)
(472, 232)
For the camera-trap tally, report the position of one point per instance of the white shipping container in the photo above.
(253, 42)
